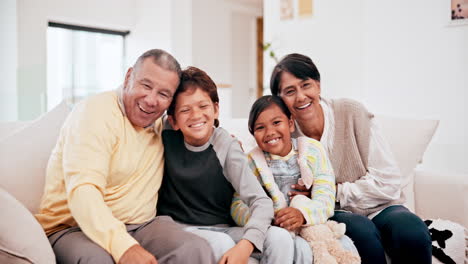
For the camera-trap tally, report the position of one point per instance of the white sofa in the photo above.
(26, 146)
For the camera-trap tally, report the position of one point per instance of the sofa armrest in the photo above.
(441, 195)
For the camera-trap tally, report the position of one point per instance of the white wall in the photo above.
(150, 28)
(223, 44)
(333, 38)
(149, 23)
(398, 57)
(417, 66)
(8, 61)
(181, 28)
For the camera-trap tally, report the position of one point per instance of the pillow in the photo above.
(449, 241)
(24, 156)
(408, 140)
(22, 239)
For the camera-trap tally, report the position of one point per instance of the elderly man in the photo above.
(104, 174)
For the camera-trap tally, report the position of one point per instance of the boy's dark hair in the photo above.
(194, 78)
(298, 65)
(263, 103)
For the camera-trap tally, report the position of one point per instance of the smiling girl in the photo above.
(204, 166)
(279, 162)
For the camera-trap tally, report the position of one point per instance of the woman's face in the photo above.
(194, 115)
(302, 97)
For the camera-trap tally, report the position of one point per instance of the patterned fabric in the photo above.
(316, 171)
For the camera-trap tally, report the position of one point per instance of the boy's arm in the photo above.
(251, 192)
(240, 211)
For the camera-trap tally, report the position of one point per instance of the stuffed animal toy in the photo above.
(449, 242)
(324, 241)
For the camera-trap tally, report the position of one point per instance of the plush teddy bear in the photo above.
(325, 244)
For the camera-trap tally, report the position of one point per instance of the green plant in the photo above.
(267, 47)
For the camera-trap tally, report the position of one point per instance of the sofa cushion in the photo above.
(24, 156)
(22, 239)
(9, 128)
(408, 140)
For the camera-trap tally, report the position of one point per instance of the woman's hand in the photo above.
(300, 189)
(239, 254)
(289, 218)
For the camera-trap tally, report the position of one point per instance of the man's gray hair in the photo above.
(161, 58)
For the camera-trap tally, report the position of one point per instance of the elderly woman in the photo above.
(369, 196)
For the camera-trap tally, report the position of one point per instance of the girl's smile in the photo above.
(272, 131)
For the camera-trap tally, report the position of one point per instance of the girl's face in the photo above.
(194, 115)
(302, 97)
(272, 131)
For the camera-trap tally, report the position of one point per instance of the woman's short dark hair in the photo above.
(298, 65)
(195, 78)
(263, 103)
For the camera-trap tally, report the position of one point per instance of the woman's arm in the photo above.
(382, 182)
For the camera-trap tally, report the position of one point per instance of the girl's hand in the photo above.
(239, 254)
(289, 218)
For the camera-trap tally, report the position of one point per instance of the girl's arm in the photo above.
(240, 212)
(320, 206)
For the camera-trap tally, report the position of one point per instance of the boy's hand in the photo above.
(289, 218)
(239, 254)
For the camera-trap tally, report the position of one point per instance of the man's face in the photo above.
(148, 91)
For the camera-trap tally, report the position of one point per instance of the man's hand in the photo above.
(299, 189)
(239, 254)
(137, 254)
(289, 218)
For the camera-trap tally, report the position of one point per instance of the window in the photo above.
(82, 61)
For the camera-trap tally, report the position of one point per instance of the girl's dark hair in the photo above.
(261, 104)
(194, 78)
(298, 65)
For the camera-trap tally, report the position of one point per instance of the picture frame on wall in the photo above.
(458, 12)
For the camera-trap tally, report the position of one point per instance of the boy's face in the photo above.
(194, 115)
(272, 131)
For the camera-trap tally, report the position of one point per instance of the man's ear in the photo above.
(128, 76)
(172, 122)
